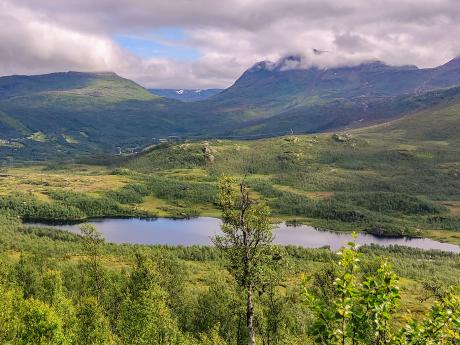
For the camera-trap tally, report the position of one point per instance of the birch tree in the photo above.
(246, 241)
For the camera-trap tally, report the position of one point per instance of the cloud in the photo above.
(29, 45)
(350, 42)
(230, 35)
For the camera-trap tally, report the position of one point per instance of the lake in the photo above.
(188, 232)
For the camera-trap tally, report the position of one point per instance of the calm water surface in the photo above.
(199, 230)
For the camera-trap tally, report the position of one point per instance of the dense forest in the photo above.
(63, 288)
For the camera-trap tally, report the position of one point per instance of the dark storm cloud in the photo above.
(46, 35)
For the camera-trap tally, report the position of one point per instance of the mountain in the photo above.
(66, 114)
(62, 115)
(273, 98)
(286, 84)
(287, 78)
(186, 95)
(102, 86)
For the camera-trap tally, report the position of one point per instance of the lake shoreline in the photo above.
(199, 230)
(278, 220)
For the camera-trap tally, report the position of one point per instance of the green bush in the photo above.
(130, 194)
(182, 191)
(90, 206)
(29, 208)
(387, 202)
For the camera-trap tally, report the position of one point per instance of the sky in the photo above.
(209, 43)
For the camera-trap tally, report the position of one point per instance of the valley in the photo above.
(112, 197)
(186, 95)
(398, 178)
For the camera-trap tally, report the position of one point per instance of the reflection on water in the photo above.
(199, 230)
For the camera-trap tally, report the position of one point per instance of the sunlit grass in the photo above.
(39, 181)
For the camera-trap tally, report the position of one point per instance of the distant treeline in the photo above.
(382, 213)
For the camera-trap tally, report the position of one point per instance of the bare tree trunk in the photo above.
(250, 317)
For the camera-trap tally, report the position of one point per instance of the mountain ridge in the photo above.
(72, 112)
(22, 85)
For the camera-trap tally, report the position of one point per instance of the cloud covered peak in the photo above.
(317, 61)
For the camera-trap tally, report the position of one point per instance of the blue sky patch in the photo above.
(167, 43)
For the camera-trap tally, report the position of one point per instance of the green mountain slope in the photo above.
(272, 98)
(103, 86)
(67, 114)
(397, 177)
(343, 113)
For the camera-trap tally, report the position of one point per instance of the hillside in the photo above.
(68, 114)
(103, 86)
(395, 177)
(345, 113)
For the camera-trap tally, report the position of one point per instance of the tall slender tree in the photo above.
(93, 271)
(246, 241)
